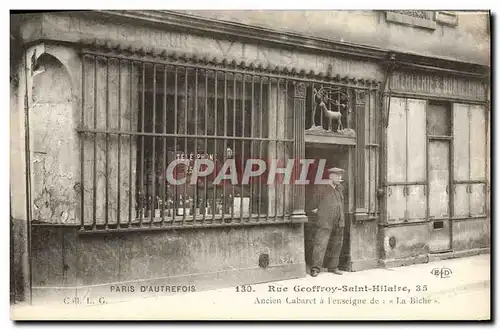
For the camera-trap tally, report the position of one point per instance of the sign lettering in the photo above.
(444, 86)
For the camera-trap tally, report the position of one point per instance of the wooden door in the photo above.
(439, 196)
(477, 144)
(416, 139)
(396, 142)
(461, 163)
(439, 179)
(461, 200)
(396, 204)
(477, 193)
(416, 160)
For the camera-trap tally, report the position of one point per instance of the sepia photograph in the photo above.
(250, 164)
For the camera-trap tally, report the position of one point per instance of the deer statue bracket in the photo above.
(330, 101)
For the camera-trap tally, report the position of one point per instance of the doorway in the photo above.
(335, 156)
(439, 142)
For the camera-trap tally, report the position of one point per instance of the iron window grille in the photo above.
(138, 115)
(141, 111)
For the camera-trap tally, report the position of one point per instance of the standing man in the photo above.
(329, 207)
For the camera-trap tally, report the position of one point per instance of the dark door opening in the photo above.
(335, 156)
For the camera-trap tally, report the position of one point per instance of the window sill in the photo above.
(410, 20)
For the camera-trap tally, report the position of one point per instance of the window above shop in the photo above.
(422, 18)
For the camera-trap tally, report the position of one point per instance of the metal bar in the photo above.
(234, 143)
(284, 144)
(185, 141)
(225, 146)
(207, 225)
(195, 197)
(82, 148)
(313, 106)
(407, 109)
(367, 150)
(118, 211)
(295, 189)
(276, 145)
(403, 183)
(106, 164)
(269, 93)
(205, 194)
(439, 137)
(104, 131)
(94, 192)
(175, 206)
(141, 184)
(131, 107)
(216, 110)
(164, 140)
(294, 76)
(153, 156)
(252, 133)
(377, 151)
(28, 174)
(470, 181)
(261, 111)
(242, 146)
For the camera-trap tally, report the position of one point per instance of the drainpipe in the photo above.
(28, 172)
(389, 66)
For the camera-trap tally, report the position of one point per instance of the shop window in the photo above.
(140, 117)
(438, 119)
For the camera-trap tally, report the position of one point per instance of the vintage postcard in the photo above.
(250, 165)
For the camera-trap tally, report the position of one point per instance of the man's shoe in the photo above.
(335, 271)
(314, 272)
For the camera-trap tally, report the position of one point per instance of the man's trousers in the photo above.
(331, 239)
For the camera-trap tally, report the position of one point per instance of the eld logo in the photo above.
(443, 272)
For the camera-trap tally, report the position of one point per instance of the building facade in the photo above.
(102, 102)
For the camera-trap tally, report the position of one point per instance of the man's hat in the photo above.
(336, 170)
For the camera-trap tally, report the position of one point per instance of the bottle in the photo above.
(169, 207)
(158, 207)
(180, 209)
(219, 206)
(201, 206)
(229, 204)
(192, 206)
(188, 204)
(209, 207)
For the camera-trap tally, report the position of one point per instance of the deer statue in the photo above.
(332, 115)
(322, 99)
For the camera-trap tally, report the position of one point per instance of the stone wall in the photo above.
(469, 41)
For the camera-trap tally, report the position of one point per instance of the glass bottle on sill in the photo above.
(147, 207)
(180, 206)
(209, 208)
(158, 207)
(229, 204)
(170, 207)
(201, 206)
(188, 203)
(219, 207)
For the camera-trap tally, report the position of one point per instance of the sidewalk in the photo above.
(343, 297)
